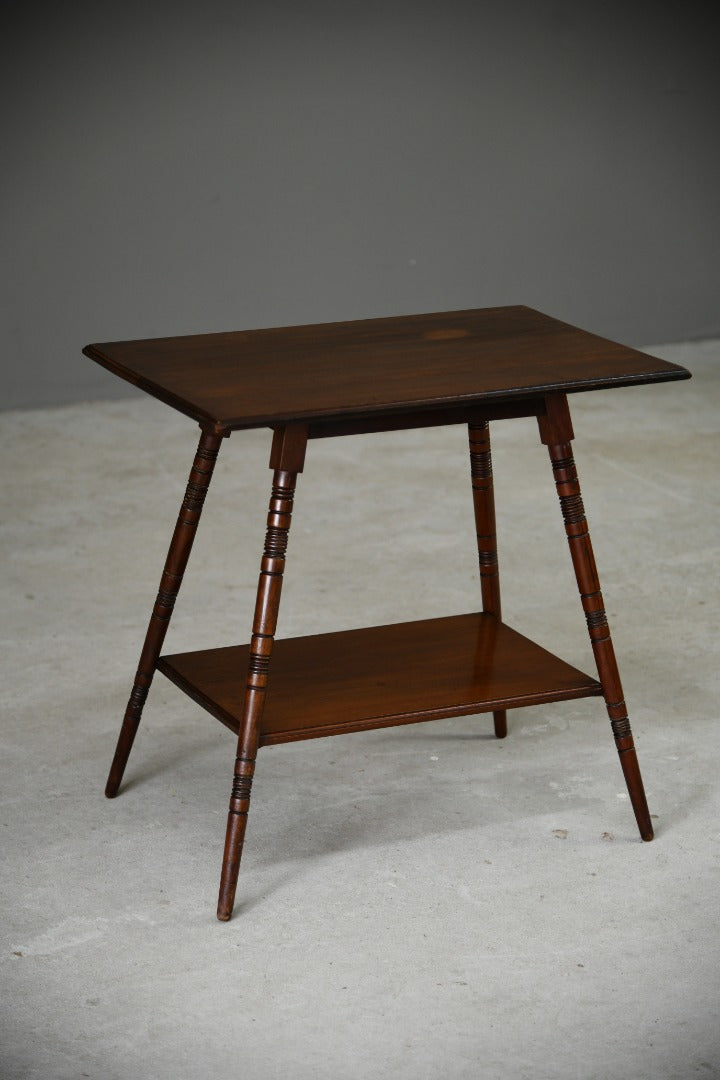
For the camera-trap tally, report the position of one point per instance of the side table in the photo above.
(334, 379)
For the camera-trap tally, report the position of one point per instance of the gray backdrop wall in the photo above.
(180, 168)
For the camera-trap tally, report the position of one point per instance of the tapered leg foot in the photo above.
(235, 834)
(125, 741)
(633, 779)
(500, 721)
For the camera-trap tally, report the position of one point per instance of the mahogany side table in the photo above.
(309, 382)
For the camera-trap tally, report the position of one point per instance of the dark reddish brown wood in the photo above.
(177, 559)
(379, 374)
(286, 458)
(289, 444)
(423, 418)
(484, 505)
(556, 432)
(360, 370)
(355, 680)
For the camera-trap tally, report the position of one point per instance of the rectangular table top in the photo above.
(371, 367)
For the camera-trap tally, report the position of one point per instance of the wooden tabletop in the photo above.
(256, 378)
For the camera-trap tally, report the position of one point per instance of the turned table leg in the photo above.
(484, 506)
(177, 558)
(556, 432)
(287, 459)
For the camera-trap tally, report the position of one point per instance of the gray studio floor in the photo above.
(421, 902)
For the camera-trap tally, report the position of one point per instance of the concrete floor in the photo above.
(421, 902)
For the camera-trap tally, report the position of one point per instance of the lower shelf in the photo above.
(329, 684)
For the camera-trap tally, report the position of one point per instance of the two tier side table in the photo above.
(308, 382)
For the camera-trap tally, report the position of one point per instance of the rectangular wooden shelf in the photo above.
(329, 684)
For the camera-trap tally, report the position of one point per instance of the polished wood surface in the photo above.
(175, 564)
(255, 378)
(556, 432)
(485, 530)
(287, 458)
(354, 680)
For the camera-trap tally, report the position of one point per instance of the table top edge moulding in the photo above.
(375, 368)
